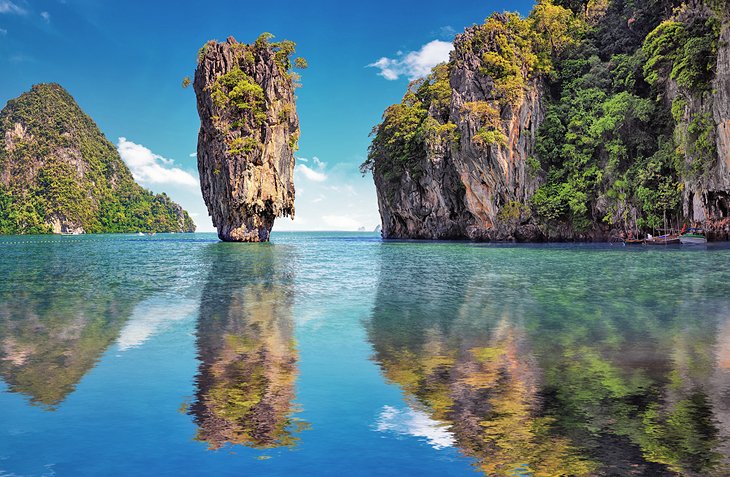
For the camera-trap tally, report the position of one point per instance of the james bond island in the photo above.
(248, 134)
(510, 257)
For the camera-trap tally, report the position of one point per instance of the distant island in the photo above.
(59, 174)
(582, 121)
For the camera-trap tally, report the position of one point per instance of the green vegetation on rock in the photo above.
(58, 171)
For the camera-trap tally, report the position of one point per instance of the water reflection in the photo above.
(55, 323)
(558, 371)
(245, 338)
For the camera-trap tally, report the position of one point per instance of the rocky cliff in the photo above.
(466, 162)
(248, 134)
(580, 122)
(58, 173)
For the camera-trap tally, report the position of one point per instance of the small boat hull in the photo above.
(693, 240)
(671, 240)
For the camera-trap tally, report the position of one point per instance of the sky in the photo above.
(124, 61)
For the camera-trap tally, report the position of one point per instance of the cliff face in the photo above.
(248, 133)
(58, 173)
(471, 165)
(718, 193)
(575, 123)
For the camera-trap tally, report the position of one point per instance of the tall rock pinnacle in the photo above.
(248, 134)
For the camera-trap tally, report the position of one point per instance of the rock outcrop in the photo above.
(565, 125)
(472, 163)
(248, 133)
(58, 173)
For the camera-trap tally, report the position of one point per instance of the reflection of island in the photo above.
(54, 326)
(246, 346)
(531, 379)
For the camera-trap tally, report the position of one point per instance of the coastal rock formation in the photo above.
(470, 160)
(58, 173)
(574, 123)
(248, 134)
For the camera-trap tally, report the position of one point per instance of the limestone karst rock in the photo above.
(565, 125)
(58, 173)
(472, 159)
(248, 133)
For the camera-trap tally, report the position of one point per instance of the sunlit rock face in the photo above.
(474, 159)
(248, 133)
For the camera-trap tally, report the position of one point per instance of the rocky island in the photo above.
(582, 121)
(59, 174)
(248, 134)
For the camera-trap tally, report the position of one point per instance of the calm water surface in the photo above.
(337, 354)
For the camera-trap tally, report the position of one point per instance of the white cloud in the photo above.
(3, 31)
(194, 154)
(6, 6)
(416, 423)
(46, 17)
(314, 173)
(311, 174)
(332, 197)
(414, 64)
(341, 222)
(150, 168)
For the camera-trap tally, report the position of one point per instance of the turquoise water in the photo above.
(339, 354)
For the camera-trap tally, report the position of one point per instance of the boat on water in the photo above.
(693, 236)
(633, 241)
(671, 239)
(140, 234)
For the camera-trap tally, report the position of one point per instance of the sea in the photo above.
(341, 354)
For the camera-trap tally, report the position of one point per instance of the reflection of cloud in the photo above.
(414, 64)
(416, 423)
(152, 316)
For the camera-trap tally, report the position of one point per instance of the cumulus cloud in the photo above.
(314, 173)
(150, 168)
(6, 6)
(414, 64)
(3, 31)
(46, 17)
(332, 196)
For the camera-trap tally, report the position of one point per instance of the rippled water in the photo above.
(339, 354)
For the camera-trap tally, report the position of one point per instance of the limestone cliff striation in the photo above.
(454, 155)
(58, 173)
(248, 134)
(583, 121)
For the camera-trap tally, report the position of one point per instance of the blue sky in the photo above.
(124, 62)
